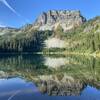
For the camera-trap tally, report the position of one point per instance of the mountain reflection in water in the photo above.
(36, 75)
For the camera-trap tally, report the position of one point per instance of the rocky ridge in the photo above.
(67, 19)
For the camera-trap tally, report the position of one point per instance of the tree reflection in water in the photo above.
(69, 77)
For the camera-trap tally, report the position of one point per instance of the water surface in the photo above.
(28, 77)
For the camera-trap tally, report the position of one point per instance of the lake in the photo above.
(49, 77)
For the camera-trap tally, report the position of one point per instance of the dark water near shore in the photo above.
(49, 77)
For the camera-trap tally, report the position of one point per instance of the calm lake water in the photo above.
(49, 77)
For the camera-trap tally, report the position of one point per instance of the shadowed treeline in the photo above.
(32, 41)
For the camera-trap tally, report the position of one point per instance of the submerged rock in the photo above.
(52, 85)
(3, 74)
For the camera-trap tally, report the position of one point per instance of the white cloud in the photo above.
(2, 25)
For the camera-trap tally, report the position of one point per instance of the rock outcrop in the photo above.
(65, 18)
(61, 85)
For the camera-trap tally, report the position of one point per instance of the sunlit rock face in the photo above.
(65, 18)
(55, 43)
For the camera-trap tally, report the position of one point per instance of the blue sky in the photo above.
(26, 11)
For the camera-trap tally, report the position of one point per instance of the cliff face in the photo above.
(84, 37)
(66, 19)
(50, 21)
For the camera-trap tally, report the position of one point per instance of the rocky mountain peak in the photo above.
(67, 19)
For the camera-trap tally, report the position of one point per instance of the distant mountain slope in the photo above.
(83, 37)
(86, 38)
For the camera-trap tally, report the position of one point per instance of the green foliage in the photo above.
(53, 50)
(59, 32)
(86, 38)
(24, 42)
